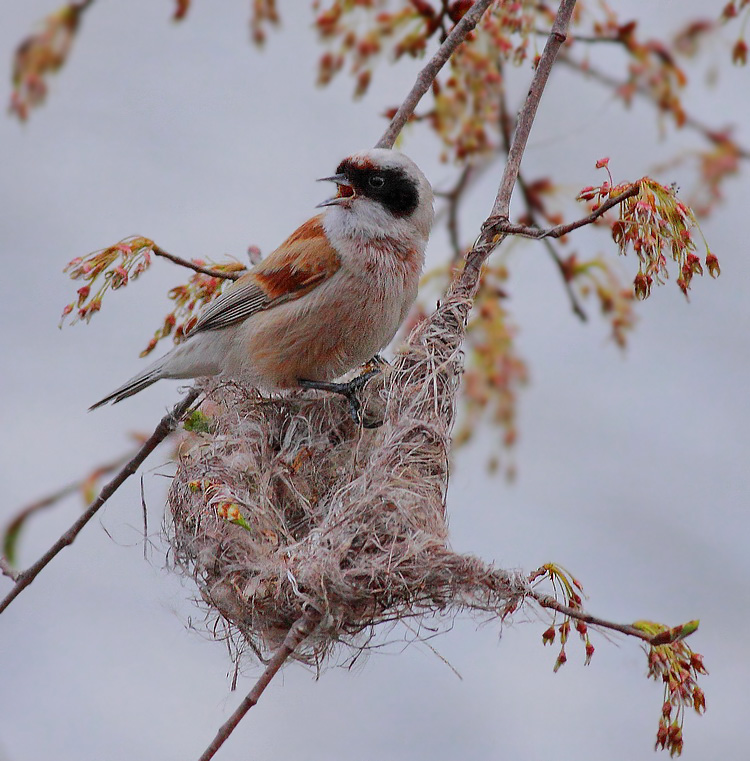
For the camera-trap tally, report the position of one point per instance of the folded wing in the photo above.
(300, 263)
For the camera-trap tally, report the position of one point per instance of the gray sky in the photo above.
(632, 467)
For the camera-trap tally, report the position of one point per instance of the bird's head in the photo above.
(380, 193)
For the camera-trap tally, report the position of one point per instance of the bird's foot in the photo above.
(351, 390)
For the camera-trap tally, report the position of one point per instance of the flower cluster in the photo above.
(568, 590)
(466, 98)
(467, 101)
(678, 667)
(114, 267)
(189, 299)
(41, 54)
(657, 226)
(360, 31)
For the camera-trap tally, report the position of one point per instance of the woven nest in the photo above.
(346, 522)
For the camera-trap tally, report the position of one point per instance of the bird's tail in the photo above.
(137, 383)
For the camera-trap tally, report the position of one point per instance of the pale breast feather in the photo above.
(299, 264)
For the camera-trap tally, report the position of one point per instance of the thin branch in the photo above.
(430, 71)
(159, 251)
(454, 197)
(505, 226)
(167, 424)
(558, 35)
(584, 37)
(575, 304)
(505, 131)
(546, 601)
(501, 208)
(299, 631)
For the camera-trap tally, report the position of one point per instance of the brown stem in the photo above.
(593, 39)
(575, 305)
(546, 601)
(299, 631)
(453, 197)
(430, 71)
(505, 131)
(159, 251)
(526, 117)
(166, 425)
(504, 226)
(501, 208)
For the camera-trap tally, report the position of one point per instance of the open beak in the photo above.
(344, 191)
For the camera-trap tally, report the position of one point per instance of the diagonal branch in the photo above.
(558, 35)
(166, 425)
(159, 251)
(504, 226)
(489, 239)
(430, 71)
(505, 131)
(547, 601)
(299, 631)
(454, 197)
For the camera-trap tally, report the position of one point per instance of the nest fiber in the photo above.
(286, 506)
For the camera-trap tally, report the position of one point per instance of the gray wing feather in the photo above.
(235, 305)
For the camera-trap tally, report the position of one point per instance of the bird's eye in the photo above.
(376, 181)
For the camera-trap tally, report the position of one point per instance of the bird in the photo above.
(327, 300)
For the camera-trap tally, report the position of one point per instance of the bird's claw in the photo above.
(350, 390)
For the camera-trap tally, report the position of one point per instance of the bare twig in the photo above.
(159, 251)
(558, 34)
(547, 601)
(504, 226)
(488, 239)
(166, 425)
(506, 128)
(593, 39)
(430, 71)
(454, 197)
(299, 631)
(575, 304)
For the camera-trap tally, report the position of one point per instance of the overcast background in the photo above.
(632, 467)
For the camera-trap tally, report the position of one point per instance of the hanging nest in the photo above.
(286, 507)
